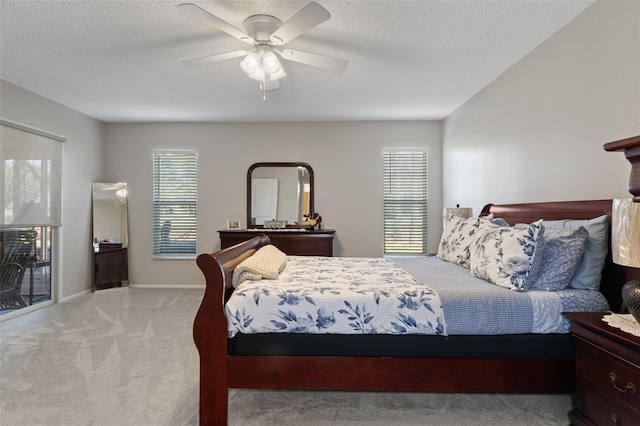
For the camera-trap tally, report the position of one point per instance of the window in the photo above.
(405, 202)
(175, 200)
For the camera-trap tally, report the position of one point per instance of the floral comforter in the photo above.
(328, 295)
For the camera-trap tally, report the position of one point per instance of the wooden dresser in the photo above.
(295, 243)
(607, 373)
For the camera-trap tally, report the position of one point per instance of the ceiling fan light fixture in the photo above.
(251, 63)
(258, 75)
(270, 63)
(262, 62)
(278, 75)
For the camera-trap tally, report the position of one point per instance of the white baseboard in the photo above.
(73, 296)
(26, 310)
(174, 286)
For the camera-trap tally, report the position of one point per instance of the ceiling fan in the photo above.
(268, 35)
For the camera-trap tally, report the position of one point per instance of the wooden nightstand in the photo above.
(607, 373)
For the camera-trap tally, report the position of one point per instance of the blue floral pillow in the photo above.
(508, 257)
(560, 257)
(458, 236)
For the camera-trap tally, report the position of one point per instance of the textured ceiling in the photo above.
(120, 61)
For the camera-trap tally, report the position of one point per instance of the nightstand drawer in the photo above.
(607, 372)
(602, 409)
(616, 378)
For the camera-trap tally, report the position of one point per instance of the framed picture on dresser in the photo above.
(233, 224)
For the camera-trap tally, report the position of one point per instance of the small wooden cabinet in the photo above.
(110, 267)
(607, 373)
(295, 243)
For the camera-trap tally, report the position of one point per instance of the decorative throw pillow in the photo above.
(458, 236)
(500, 222)
(508, 257)
(589, 270)
(562, 252)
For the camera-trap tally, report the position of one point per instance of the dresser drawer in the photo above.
(615, 377)
(603, 409)
(295, 243)
(305, 247)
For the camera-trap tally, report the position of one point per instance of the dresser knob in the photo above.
(631, 388)
(614, 418)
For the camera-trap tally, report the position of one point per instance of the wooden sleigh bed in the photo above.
(489, 364)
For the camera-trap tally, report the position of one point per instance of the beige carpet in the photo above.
(124, 357)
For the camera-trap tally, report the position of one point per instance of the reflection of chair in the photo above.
(16, 249)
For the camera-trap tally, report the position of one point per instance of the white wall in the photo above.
(536, 133)
(345, 156)
(82, 164)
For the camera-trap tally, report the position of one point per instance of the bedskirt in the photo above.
(531, 346)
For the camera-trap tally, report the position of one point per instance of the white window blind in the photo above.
(175, 200)
(30, 176)
(405, 202)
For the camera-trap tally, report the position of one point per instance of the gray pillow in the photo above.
(589, 270)
(562, 252)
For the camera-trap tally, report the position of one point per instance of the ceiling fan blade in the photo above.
(328, 63)
(308, 17)
(203, 16)
(216, 58)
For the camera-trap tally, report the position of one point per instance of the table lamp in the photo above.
(463, 212)
(625, 244)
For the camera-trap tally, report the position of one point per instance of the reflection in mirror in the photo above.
(110, 214)
(110, 235)
(280, 191)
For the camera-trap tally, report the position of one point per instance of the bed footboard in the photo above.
(210, 327)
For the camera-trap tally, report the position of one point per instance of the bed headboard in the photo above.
(613, 276)
(530, 212)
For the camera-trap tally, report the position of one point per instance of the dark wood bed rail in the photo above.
(530, 212)
(210, 327)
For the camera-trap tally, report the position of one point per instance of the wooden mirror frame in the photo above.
(296, 165)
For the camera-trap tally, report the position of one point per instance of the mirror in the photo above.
(110, 215)
(110, 235)
(279, 191)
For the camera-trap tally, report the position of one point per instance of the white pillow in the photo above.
(508, 257)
